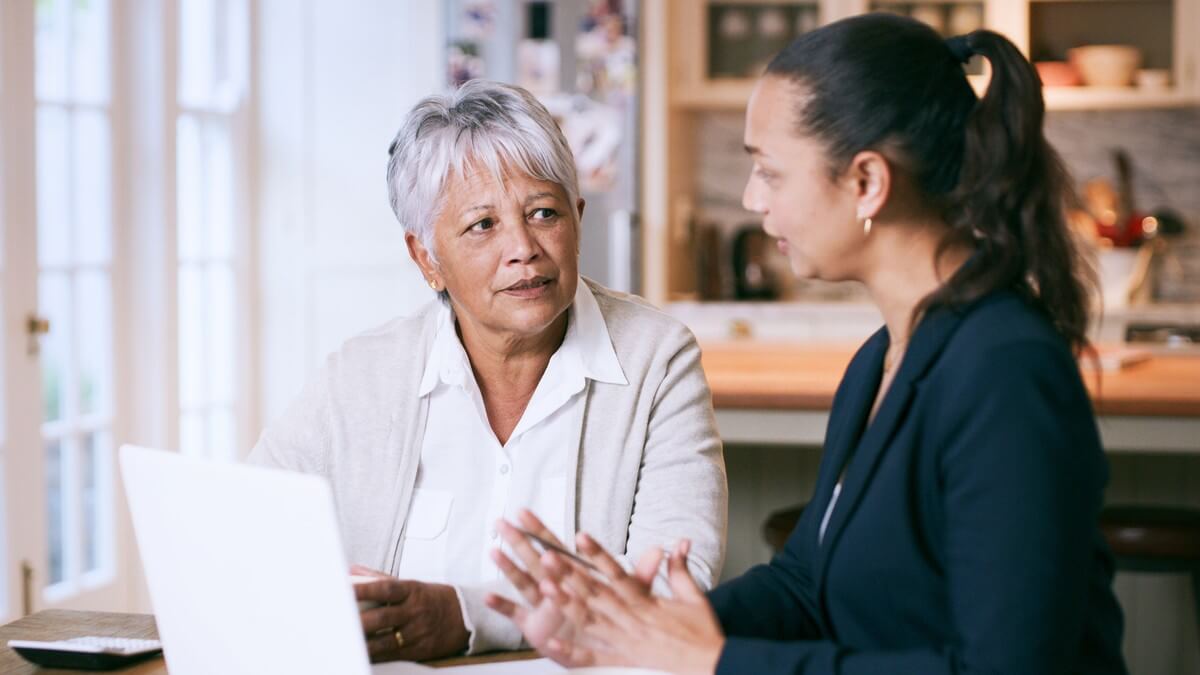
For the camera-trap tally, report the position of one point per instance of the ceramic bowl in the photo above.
(1106, 65)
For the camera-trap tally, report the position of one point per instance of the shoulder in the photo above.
(637, 327)
(386, 348)
(1006, 347)
(1003, 320)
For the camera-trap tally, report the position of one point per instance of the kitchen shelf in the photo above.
(682, 93)
(1114, 98)
(732, 96)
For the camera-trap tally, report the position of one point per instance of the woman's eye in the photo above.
(544, 214)
(764, 175)
(482, 226)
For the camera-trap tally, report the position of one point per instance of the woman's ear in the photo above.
(870, 179)
(424, 260)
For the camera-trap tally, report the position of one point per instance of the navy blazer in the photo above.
(966, 536)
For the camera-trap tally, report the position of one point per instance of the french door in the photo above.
(59, 362)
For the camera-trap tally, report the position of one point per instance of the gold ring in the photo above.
(399, 638)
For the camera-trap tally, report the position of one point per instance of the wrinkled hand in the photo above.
(427, 615)
(622, 623)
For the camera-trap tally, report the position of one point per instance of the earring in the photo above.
(433, 284)
(867, 227)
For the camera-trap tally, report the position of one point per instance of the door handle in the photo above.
(36, 326)
(26, 588)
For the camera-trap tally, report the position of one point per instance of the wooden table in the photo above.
(776, 393)
(59, 624)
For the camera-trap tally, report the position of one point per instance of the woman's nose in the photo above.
(522, 247)
(752, 198)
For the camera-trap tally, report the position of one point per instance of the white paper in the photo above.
(526, 667)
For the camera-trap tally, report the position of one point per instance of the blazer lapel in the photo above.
(924, 347)
(852, 405)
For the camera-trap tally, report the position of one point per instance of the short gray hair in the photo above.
(488, 122)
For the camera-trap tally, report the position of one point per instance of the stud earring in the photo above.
(433, 284)
(867, 223)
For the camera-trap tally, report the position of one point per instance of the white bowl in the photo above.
(1155, 79)
(1106, 65)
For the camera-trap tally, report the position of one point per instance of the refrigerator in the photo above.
(580, 58)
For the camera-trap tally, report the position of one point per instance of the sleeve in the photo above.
(489, 631)
(1022, 474)
(773, 601)
(682, 490)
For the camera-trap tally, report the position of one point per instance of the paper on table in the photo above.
(400, 668)
(527, 667)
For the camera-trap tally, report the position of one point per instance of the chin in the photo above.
(803, 269)
(534, 317)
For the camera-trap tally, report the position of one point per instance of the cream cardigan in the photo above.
(648, 471)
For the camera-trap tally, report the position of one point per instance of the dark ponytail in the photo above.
(1012, 198)
(892, 84)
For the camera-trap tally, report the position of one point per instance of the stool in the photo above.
(779, 526)
(1155, 539)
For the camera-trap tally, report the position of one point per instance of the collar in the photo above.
(586, 348)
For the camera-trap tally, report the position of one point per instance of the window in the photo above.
(74, 243)
(213, 62)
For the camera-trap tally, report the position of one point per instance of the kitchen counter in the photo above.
(780, 393)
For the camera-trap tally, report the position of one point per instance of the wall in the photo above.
(335, 81)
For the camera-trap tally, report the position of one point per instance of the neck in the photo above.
(904, 270)
(507, 363)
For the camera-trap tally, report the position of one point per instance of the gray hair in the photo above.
(492, 123)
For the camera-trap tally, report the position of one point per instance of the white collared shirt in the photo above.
(467, 480)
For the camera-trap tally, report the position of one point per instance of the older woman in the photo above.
(525, 386)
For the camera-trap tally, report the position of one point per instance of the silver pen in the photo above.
(575, 557)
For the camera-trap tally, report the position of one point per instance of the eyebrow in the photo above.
(751, 150)
(477, 207)
(540, 195)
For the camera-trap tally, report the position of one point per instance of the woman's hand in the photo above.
(540, 620)
(415, 621)
(622, 623)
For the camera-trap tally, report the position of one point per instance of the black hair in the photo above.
(891, 84)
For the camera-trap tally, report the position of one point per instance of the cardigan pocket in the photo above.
(423, 555)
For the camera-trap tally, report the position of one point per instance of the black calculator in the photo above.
(86, 653)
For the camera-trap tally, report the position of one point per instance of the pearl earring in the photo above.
(867, 227)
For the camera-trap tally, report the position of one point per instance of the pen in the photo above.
(550, 545)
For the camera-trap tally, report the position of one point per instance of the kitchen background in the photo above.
(207, 219)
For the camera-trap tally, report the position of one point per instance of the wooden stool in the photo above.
(1156, 539)
(779, 526)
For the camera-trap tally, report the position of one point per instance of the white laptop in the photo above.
(245, 568)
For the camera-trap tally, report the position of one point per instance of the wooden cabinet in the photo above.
(693, 53)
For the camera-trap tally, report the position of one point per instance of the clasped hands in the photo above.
(606, 616)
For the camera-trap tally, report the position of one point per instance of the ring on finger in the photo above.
(399, 638)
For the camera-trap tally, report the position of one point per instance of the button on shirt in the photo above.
(466, 479)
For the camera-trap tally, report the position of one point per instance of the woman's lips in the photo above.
(783, 246)
(528, 291)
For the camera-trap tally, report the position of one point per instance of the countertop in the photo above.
(760, 375)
